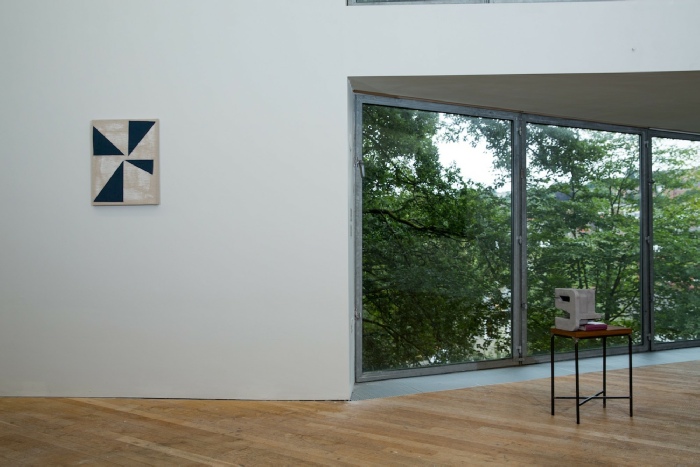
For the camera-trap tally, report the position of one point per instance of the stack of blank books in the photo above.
(593, 326)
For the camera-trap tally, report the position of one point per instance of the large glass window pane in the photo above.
(676, 201)
(358, 2)
(436, 240)
(583, 227)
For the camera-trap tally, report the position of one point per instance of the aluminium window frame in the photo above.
(454, 2)
(360, 100)
(519, 122)
(414, 2)
(648, 146)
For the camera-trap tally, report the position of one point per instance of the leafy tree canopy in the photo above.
(437, 246)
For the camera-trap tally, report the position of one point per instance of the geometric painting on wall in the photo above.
(125, 162)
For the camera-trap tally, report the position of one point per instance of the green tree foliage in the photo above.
(436, 251)
(437, 247)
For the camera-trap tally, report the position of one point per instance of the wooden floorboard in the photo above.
(499, 425)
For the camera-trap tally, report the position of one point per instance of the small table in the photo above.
(602, 334)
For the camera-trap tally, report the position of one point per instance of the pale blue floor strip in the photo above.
(467, 379)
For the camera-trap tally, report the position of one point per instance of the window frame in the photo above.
(519, 122)
(454, 2)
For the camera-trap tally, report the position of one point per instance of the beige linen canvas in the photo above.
(125, 162)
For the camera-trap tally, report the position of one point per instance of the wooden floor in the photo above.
(500, 424)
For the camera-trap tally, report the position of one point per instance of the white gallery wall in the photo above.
(240, 283)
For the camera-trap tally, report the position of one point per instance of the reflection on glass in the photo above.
(676, 198)
(436, 242)
(582, 224)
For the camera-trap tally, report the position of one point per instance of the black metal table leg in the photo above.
(605, 358)
(629, 350)
(551, 350)
(578, 406)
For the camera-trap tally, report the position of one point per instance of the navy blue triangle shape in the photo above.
(101, 146)
(143, 164)
(113, 191)
(137, 130)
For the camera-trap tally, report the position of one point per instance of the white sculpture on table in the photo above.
(579, 304)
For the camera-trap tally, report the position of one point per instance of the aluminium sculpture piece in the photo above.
(579, 304)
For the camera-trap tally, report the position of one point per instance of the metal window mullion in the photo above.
(647, 240)
(521, 156)
(357, 231)
(519, 241)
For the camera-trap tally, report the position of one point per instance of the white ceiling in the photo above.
(664, 100)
